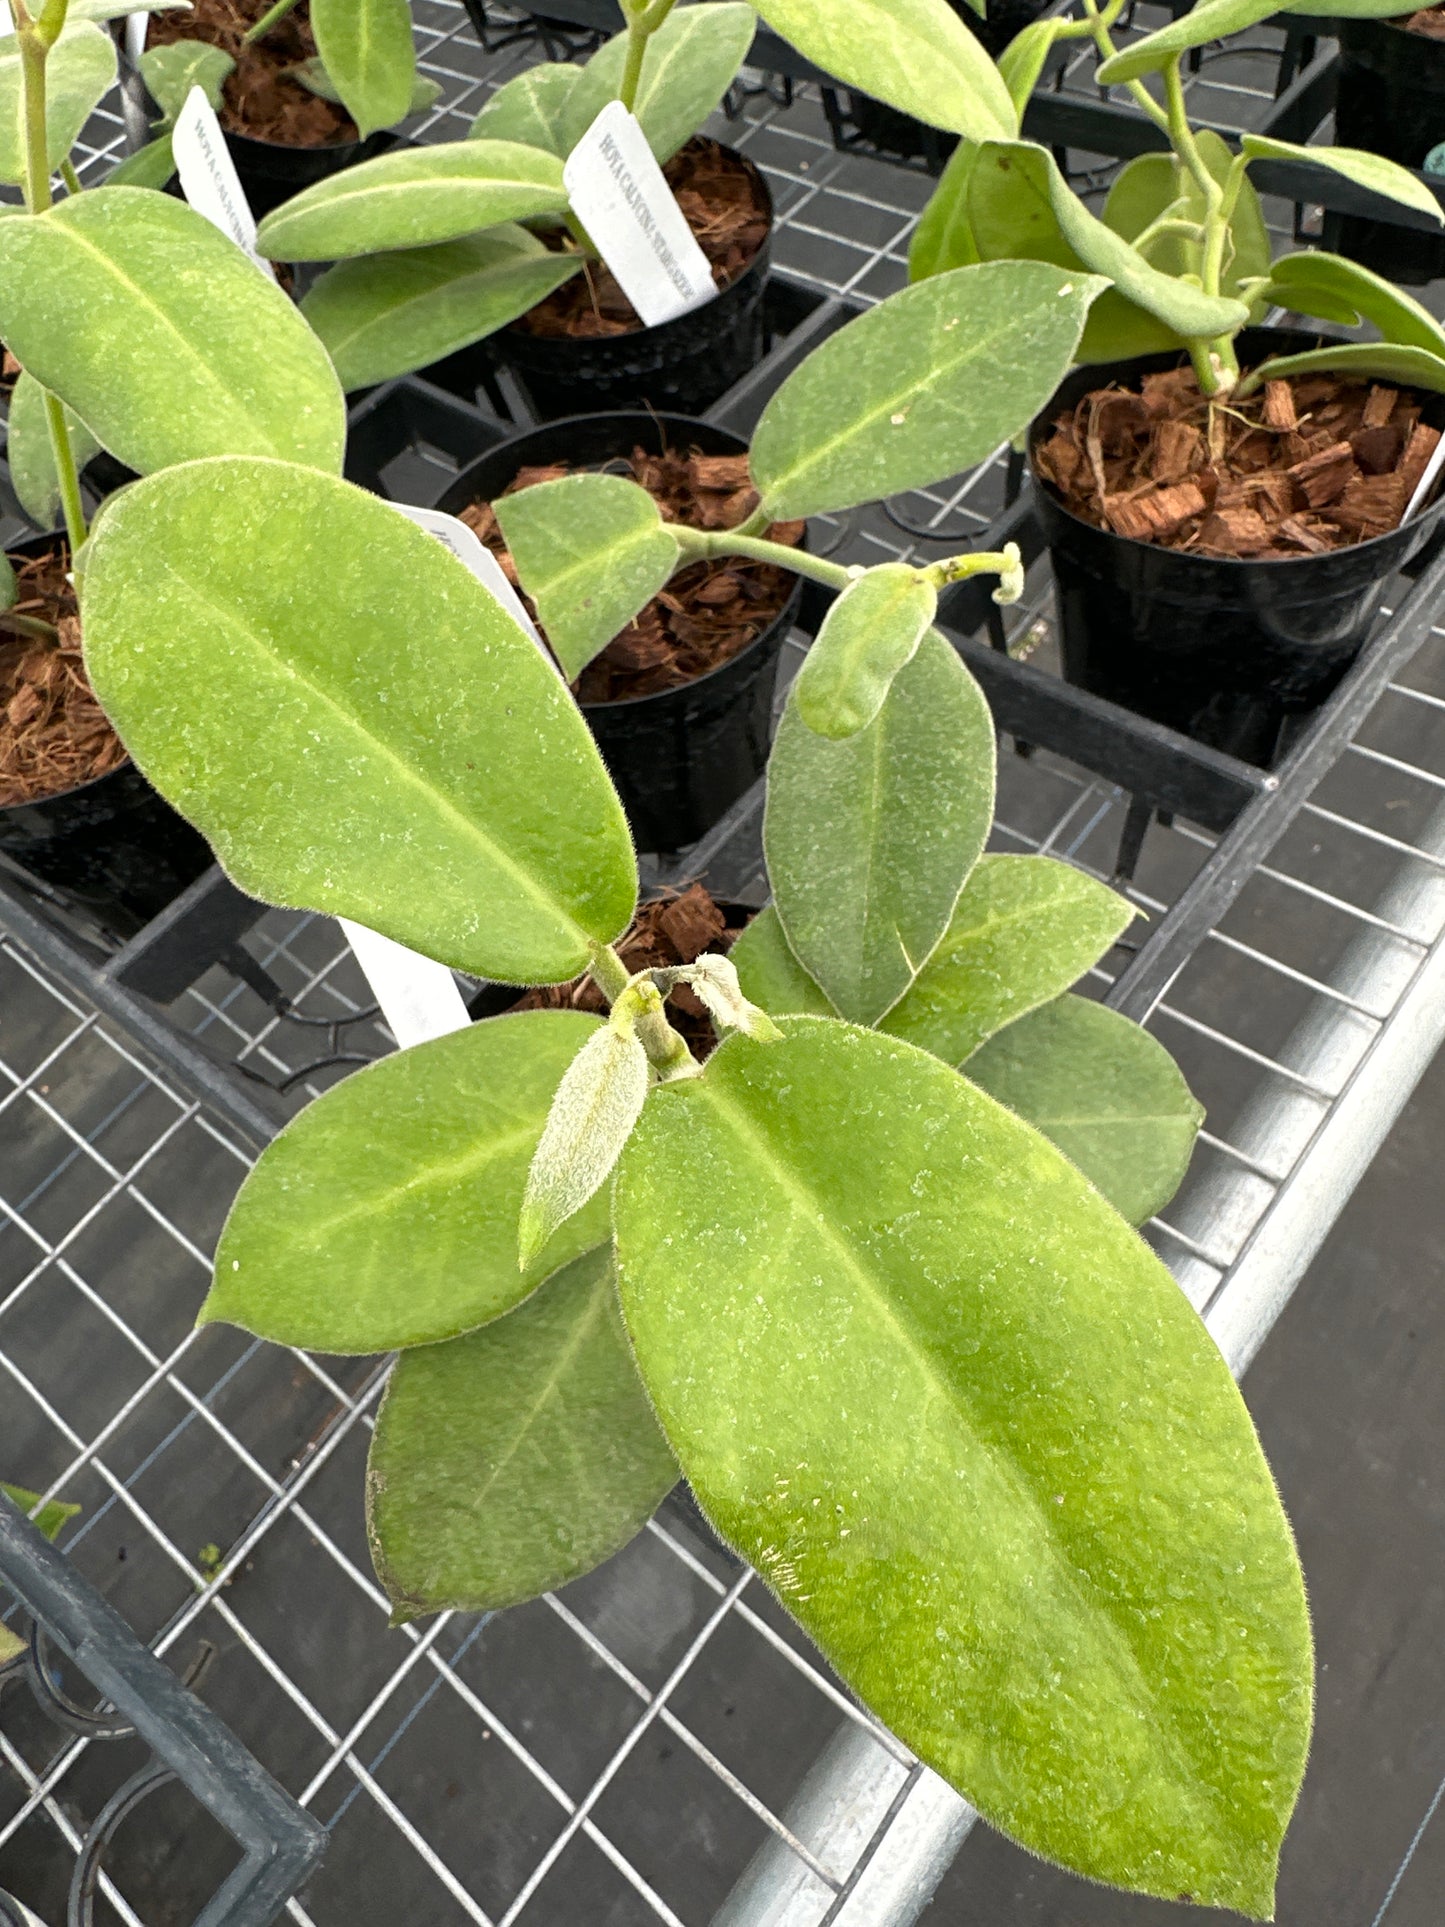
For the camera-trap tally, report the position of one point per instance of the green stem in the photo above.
(1099, 24)
(958, 568)
(642, 23)
(1167, 224)
(608, 971)
(698, 547)
(70, 177)
(272, 17)
(1181, 138)
(32, 626)
(65, 471)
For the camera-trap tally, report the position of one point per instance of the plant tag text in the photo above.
(208, 175)
(619, 195)
(419, 997)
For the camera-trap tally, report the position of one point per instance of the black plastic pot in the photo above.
(680, 757)
(1225, 651)
(112, 849)
(1390, 101)
(680, 366)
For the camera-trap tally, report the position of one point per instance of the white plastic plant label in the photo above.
(418, 996)
(7, 19)
(209, 179)
(136, 27)
(619, 195)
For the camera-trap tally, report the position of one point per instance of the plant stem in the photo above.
(608, 971)
(642, 23)
(70, 177)
(667, 1053)
(33, 626)
(70, 502)
(272, 17)
(958, 568)
(698, 547)
(1167, 224)
(1098, 25)
(1181, 139)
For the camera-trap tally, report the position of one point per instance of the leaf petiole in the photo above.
(271, 18)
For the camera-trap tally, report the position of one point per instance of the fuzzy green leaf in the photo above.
(1106, 1092)
(51, 1517)
(943, 238)
(591, 551)
(352, 720)
(531, 108)
(867, 636)
(387, 314)
(189, 349)
(916, 55)
(170, 72)
(79, 71)
(9, 586)
(973, 1435)
(1347, 9)
(1366, 170)
(1026, 927)
(116, 9)
(927, 383)
(313, 75)
(28, 450)
(690, 63)
(869, 840)
(386, 1213)
(366, 48)
(413, 198)
(771, 975)
(598, 1101)
(1384, 360)
(152, 166)
(1207, 20)
(1339, 290)
(1022, 61)
(508, 1462)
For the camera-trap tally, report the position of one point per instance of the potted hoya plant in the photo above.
(1224, 503)
(915, 1366)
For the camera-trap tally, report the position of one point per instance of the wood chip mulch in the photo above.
(1305, 465)
(54, 735)
(1429, 21)
(710, 611)
(259, 98)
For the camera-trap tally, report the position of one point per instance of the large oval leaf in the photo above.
(79, 71)
(531, 108)
(387, 314)
(943, 238)
(1384, 360)
(1026, 928)
(386, 1213)
(412, 198)
(1366, 170)
(867, 636)
(869, 840)
(968, 1428)
(770, 975)
(366, 48)
(189, 349)
(915, 54)
(929, 382)
(352, 720)
(1207, 20)
(31, 455)
(690, 63)
(506, 1463)
(1339, 290)
(171, 71)
(1106, 1092)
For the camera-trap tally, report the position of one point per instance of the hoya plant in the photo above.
(1181, 235)
(916, 1367)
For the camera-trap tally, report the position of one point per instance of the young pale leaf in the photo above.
(690, 63)
(943, 238)
(591, 550)
(974, 1437)
(598, 1101)
(1366, 170)
(386, 314)
(531, 108)
(352, 720)
(386, 1213)
(1106, 1092)
(1339, 290)
(867, 636)
(170, 72)
(189, 349)
(1022, 61)
(927, 383)
(714, 980)
(152, 166)
(412, 198)
(51, 1516)
(1207, 20)
(1411, 367)
(769, 973)
(1026, 927)
(366, 48)
(79, 70)
(870, 840)
(313, 75)
(916, 55)
(31, 456)
(508, 1462)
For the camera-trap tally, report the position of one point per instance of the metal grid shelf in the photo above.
(658, 1743)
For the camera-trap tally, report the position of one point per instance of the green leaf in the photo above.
(386, 1213)
(867, 636)
(312, 75)
(916, 55)
(51, 1517)
(1207, 20)
(1022, 61)
(531, 108)
(1366, 170)
(771, 975)
(79, 71)
(869, 840)
(690, 63)
(366, 48)
(1026, 927)
(927, 383)
(1020, 204)
(970, 1431)
(412, 198)
(591, 550)
(189, 348)
(506, 1463)
(386, 314)
(116, 9)
(170, 72)
(1347, 9)
(943, 238)
(30, 454)
(9, 586)
(598, 1101)
(352, 720)
(1142, 190)
(152, 166)
(1343, 291)
(1383, 360)
(1106, 1092)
